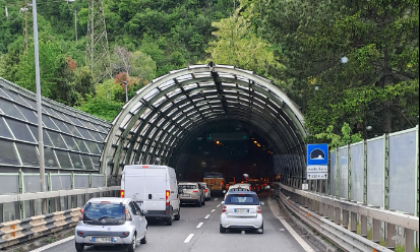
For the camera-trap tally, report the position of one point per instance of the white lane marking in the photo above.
(200, 224)
(189, 238)
(54, 244)
(218, 205)
(295, 235)
(213, 210)
(216, 199)
(207, 216)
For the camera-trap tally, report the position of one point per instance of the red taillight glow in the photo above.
(224, 209)
(258, 209)
(145, 166)
(80, 233)
(249, 187)
(122, 193)
(168, 193)
(195, 191)
(206, 190)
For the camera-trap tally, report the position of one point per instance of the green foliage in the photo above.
(378, 86)
(335, 140)
(238, 45)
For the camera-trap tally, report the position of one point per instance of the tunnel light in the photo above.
(255, 142)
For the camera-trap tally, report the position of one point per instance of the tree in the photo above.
(57, 79)
(238, 45)
(377, 87)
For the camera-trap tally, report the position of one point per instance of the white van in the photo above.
(154, 188)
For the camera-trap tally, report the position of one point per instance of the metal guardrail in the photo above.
(337, 220)
(64, 207)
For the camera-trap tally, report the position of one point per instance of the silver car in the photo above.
(207, 191)
(111, 221)
(191, 192)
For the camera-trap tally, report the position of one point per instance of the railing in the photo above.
(64, 209)
(20, 185)
(346, 223)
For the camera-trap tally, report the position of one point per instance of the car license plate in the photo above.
(103, 239)
(241, 210)
(186, 195)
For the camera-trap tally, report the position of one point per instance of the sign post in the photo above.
(317, 162)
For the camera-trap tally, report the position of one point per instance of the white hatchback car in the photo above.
(241, 210)
(111, 221)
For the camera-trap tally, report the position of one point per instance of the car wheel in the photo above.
(178, 215)
(204, 202)
(132, 246)
(170, 219)
(199, 204)
(79, 247)
(261, 229)
(144, 240)
(222, 229)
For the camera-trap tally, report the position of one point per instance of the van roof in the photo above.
(145, 166)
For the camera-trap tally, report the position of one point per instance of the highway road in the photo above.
(198, 231)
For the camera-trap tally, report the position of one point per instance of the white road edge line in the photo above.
(295, 235)
(213, 210)
(189, 238)
(200, 224)
(207, 216)
(53, 244)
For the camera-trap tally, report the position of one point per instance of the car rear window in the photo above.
(239, 190)
(188, 186)
(242, 199)
(104, 214)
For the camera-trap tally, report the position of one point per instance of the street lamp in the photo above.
(39, 107)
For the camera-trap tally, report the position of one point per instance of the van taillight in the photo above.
(258, 209)
(122, 193)
(168, 193)
(224, 209)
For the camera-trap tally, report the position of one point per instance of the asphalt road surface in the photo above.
(198, 231)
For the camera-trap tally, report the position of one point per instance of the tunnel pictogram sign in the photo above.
(317, 162)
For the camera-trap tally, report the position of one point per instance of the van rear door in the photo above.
(147, 187)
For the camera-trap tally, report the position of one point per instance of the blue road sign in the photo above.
(317, 154)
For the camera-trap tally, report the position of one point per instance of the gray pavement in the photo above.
(205, 237)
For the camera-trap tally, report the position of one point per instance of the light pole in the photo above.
(39, 108)
(126, 92)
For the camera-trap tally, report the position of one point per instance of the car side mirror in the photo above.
(223, 202)
(267, 187)
(262, 204)
(224, 191)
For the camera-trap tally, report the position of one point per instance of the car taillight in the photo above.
(122, 193)
(250, 188)
(195, 191)
(206, 190)
(224, 209)
(81, 214)
(168, 193)
(258, 209)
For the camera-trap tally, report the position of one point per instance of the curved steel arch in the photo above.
(167, 110)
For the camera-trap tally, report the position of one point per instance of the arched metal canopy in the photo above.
(154, 123)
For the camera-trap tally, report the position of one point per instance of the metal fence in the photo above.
(380, 172)
(27, 186)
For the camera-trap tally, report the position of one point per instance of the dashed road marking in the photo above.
(218, 205)
(189, 238)
(53, 244)
(207, 216)
(200, 224)
(213, 210)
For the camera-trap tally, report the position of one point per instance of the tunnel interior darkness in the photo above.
(209, 118)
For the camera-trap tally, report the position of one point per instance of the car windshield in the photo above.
(188, 186)
(104, 214)
(242, 199)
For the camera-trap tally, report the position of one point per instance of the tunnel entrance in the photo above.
(209, 118)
